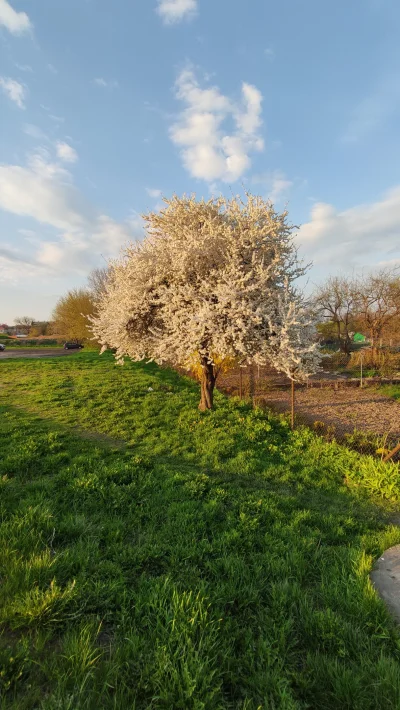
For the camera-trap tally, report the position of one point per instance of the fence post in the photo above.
(361, 377)
(241, 383)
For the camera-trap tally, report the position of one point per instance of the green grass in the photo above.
(152, 556)
(392, 391)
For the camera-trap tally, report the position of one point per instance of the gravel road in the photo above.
(35, 353)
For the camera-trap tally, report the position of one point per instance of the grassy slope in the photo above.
(155, 557)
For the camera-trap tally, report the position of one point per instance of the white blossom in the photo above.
(210, 277)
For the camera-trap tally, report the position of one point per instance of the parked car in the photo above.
(2, 347)
(73, 346)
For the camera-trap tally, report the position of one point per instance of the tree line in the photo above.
(368, 303)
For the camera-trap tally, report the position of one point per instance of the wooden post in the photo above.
(392, 453)
(292, 406)
(361, 377)
(241, 383)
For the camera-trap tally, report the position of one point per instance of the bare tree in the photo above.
(98, 280)
(336, 301)
(24, 323)
(378, 302)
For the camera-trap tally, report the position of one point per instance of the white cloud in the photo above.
(366, 233)
(44, 191)
(14, 90)
(66, 153)
(153, 193)
(106, 84)
(269, 52)
(172, 11)
(208, 152)
(15, 22)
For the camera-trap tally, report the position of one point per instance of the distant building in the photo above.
(15, 330)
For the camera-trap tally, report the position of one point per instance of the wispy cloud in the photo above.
(15, 91)
(274, 184)
(207, 150)
(24, 67)
(153, 193)
(66, 152)
(106, 83)
(15, 22)
(35, 132)
(269, 52)
(45, 192)
(172, 11)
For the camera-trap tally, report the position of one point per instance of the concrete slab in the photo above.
(386, 579)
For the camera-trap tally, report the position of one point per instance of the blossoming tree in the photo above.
(211, 277)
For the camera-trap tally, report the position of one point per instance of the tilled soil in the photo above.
(347, 409)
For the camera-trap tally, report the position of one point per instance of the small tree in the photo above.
(70, 316)
(295, 350)
(39, 328)
(208, 278)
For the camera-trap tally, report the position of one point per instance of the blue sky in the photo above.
(105, 107)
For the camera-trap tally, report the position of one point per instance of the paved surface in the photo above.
(386, 579)
(36, 353)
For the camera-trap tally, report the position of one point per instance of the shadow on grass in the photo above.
(229, 570)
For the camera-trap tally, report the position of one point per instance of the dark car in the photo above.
(2, 347)
(73, 346)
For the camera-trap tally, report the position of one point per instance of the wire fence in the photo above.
(335, 407)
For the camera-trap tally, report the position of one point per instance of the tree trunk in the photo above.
(207, 385)
(339, 335)
(292, 405)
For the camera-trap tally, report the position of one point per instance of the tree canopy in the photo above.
(211, 278)
(70, 316)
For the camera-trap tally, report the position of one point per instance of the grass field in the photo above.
(152, 556)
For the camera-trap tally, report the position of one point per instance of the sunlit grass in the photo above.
(152, 556)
